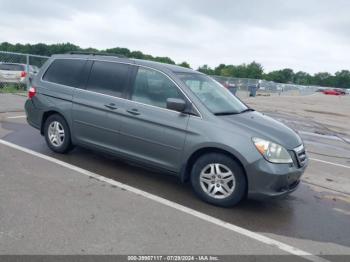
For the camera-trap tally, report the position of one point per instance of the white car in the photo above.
(12, 73)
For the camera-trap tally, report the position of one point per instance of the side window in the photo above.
(153, 88)
(108, 78)
(65, 72)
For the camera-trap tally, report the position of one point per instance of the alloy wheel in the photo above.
(56, 133)
(217, 181)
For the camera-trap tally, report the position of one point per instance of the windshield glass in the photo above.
(213, 95)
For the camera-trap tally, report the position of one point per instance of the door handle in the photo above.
(111, 106)
(133, 111)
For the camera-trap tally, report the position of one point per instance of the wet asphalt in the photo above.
(315, 219)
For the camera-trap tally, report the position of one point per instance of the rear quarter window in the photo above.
(65, 72)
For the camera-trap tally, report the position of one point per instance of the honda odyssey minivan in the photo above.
(167, 117)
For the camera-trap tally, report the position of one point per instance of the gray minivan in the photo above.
(166, 117)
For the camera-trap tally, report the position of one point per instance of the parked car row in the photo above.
(16, 73)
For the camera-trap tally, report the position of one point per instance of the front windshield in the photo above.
(214, 96)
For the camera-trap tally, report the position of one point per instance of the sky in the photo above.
(306, 35)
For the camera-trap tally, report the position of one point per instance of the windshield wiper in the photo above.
(225, 113)
(247, 110)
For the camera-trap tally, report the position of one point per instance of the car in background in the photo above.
(334, 92)
(341, 91)
(13, 73)
(16, 73)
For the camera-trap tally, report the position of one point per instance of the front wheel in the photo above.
(57, 134)
(218, 179)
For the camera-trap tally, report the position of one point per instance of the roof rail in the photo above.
(96, 53)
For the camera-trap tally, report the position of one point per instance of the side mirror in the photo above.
(176, 104)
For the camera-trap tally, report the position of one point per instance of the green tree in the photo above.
(342, 79)
(165, 59)
(254, 70)
(281, 76)
(323, 79)
(302, 78)
(217, 70)
(184, 64)
(120, 51)
(205, 69)
(228, 70)
(136, 54)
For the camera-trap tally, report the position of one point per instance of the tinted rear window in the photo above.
(108, 78)
(12, 67)
(65, 72)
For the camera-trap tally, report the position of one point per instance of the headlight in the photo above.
(272, 152)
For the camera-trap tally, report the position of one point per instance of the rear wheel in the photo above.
(57, 134)
(218, 179)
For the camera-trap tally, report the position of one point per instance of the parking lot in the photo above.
(90, 203)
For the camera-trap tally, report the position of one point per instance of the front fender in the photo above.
(202, 137)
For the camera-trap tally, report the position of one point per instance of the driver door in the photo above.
(149, 131)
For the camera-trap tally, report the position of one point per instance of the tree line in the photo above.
(255, 70)
(252, 70)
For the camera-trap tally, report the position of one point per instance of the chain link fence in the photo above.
(16, 69)
(244, 86)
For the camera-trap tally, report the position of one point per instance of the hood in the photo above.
(265, 127)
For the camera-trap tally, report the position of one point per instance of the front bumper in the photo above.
(266, 179)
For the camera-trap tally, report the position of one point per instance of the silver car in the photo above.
(16, 73)
(13, 73)
(166, 117)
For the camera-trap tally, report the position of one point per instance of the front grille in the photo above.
(300, 155)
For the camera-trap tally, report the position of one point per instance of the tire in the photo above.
(223, 180)
(55, 126)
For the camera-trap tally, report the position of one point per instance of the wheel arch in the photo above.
(46, 115)
(186, 170)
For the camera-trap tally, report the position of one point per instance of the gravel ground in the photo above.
(322, 114)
